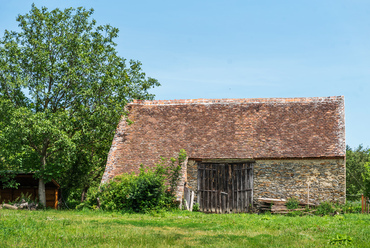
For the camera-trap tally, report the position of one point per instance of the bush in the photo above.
(352, 207)
(196, 207)
(324, 208)
(152, 189)
(292, 203)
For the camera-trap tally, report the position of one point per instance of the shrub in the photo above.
(352, 207)
(324, 208)
(196, 207)
(152, 189)
(292, 203)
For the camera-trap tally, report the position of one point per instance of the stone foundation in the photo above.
(286, 178)
(326, 179)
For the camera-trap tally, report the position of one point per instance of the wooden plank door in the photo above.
(225, 187)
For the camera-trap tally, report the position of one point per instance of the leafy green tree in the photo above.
(356, 170)
(63, 89)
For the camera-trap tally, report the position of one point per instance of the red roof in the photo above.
(229, 128)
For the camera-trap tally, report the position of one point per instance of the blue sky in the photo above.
(242, 49)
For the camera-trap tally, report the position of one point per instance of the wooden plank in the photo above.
(200, 177)
(211, 205)
(271, 200)
(215, 166)
(242, 192)
(250, 186)
(246, 187)
(204, 187)
(224, 189)
(56, 199)
(199, 192)
(214, 202)
(237, 190)
(221, 179)
(231, 188)
(211, 188)
(242, 188)
(209, 180)
(227, 198)
(234, 186)
(251, 181)
(219, 188)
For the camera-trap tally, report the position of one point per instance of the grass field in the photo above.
(176, 229)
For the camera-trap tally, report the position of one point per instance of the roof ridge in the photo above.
(235, 100)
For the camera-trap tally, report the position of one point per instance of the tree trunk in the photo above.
(83, 196)
(42, 198)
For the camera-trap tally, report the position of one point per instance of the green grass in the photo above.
(176, 229)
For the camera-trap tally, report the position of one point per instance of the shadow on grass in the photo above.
(261, 240)
(148, 223)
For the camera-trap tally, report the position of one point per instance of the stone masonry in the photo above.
(287, 178)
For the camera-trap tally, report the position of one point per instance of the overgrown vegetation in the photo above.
(325, 208)
(152, 188)
(292, 203)
(177, 229)
(357, 172)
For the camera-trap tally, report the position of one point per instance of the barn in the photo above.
(239, 149)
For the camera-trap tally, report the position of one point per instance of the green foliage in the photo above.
(357, 172)
(352, 207)
(265, 217)
(152, 189)
(366, 178)
(325, 208)
(196, 207)
(340, 239)
(24, 198)
(63, 89)
(295, 213)
(174, 170)
(175, 228)
(292, 203)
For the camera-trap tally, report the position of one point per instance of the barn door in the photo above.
(225, 188)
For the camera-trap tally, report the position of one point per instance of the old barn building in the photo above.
(240, 149)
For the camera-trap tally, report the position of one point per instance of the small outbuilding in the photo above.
(239, 149)
(28, 185)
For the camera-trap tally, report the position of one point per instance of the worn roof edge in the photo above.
(236, 100)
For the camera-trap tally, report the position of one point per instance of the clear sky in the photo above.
(242, 49)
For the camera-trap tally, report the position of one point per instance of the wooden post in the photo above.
(191, 200)
(308, 194)
(362, 203)
(56, 199)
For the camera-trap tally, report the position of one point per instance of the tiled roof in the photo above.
(229, 128)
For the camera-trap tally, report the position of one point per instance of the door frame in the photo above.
(225, 187)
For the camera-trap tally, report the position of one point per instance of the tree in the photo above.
(63, 89)
(357, 161)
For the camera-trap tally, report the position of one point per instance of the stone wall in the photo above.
(285, 178)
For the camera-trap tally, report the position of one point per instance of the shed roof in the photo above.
(228, 128)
